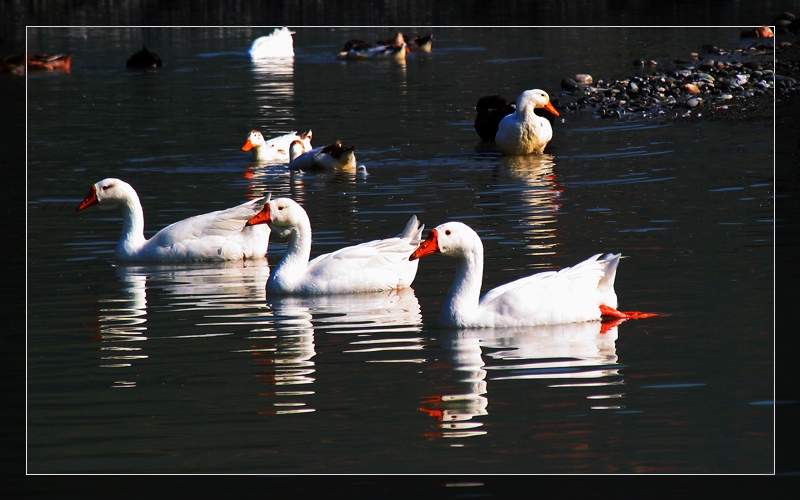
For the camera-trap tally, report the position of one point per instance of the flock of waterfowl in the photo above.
(584, 292)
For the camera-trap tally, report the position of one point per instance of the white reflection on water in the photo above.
(217, 288)
(282, 352)
(571, 355)
(274, 88)
(122, 321)
(386, 326)
(539, 200)
(273, 85)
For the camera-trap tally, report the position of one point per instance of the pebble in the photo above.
(569, 84)
(684, 87)
(691, 88)
(693, 102)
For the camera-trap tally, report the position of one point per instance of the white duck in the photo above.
(275, 149)
(215, 236)
(279, 43)
(369, 267)
(524, 132)
(333, 157)
(584, 292)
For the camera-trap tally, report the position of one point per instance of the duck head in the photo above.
(107, 194)
(254, 139)
(535, 98)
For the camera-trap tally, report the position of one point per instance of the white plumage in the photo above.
(369, 267)
(215, 236)
(333, 157)
(275, 149)
(571, 295)
(523, 132)
(279, 43)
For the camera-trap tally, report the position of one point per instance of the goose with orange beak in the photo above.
(584, 292)
(523, 132)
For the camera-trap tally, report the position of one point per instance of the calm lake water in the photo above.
(190, 369)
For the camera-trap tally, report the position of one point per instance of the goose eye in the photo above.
(447, 232)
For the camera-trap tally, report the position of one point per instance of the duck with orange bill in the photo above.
(524, 132)
(584, 292)
(213, 236)
(371, 266)
(275, 149)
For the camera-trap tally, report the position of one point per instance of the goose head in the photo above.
(453, 239)
(280, 213)
(107, 194)
(535, 98)
(254, 140)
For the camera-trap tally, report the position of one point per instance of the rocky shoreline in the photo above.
(714, 83)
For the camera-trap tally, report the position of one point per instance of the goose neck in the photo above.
(132, 238)
(294, 262)
(461, 303)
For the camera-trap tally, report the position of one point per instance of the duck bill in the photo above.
(428, 247)
(247, 145)
(91, 199)
(261, 217)
(549, 107)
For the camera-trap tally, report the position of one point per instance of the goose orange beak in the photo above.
(91, 199)
(549, 107)
(247, 145)
(261, 217)
(428, 247)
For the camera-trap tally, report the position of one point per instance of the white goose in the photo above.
(275, 149)
(584, 292)
(369, 267)
(333, 157)
(524, 132)
(215, 236)
(279, 43)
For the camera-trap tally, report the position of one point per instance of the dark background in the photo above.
(15, 15)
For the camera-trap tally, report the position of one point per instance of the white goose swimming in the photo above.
(275, 149)
(524, 132)
(369, 267)
(584, 292)
(215, 236)
(279, 43)
(333, 157)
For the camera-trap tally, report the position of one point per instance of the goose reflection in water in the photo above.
(273, 87)
(122, 323)
(570, 355)
(214, 290)
(282, 353)
(539, 202)
(283, 350)
(385, 325)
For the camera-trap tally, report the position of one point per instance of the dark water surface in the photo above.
(190, 369)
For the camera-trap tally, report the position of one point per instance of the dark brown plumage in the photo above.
(491, 109)
(143, 59)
